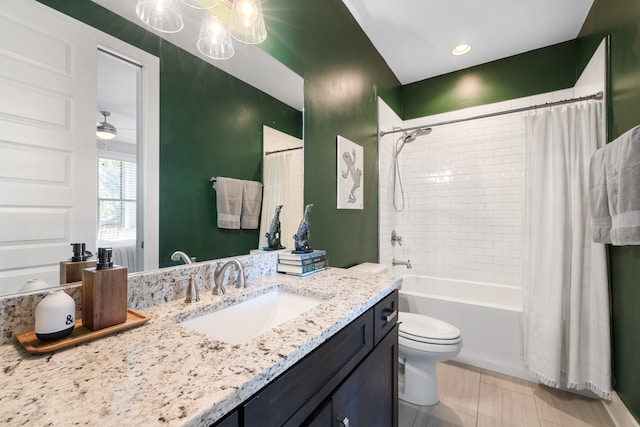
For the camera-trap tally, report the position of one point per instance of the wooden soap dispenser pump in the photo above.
(104, 293)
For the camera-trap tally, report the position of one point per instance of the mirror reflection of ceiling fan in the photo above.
(117, 126)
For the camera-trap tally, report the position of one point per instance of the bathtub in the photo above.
(489, 317)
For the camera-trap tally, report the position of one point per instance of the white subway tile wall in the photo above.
(464, 194)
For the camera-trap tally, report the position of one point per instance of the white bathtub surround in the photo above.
(488, 316)
(566, 301)
(464, 203)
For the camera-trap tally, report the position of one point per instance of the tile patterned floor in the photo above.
(472, 397)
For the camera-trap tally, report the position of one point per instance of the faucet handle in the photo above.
(193, 295)
(395, 238)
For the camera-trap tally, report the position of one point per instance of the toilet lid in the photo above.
(426, 329)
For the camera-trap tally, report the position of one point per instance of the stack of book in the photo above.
(302, 264)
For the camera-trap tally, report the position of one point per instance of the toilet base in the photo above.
(420, 383)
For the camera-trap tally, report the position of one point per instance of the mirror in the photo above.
(120, 208)
(283, 166)
(50, 231)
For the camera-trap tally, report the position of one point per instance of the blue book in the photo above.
(302, 269)
(289, 255)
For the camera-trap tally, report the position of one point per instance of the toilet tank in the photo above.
(371, 267)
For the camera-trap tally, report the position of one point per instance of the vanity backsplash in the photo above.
(17, 312)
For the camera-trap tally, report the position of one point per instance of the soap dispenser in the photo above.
(71, 270)
(104, 293)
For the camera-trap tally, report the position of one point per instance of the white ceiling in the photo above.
(415, 37)
(249, 64)
(117, 94)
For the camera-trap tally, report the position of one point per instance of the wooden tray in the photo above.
(79, 335)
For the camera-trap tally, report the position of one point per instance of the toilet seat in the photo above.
(424, 329)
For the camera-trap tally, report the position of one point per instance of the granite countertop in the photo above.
(165, 373)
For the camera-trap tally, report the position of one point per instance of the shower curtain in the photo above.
(275, 167)
(565, 283)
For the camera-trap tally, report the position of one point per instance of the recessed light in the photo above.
(461, 49)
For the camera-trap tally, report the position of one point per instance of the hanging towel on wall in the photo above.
(229, 202)
(618, 189)
(598, 200)
(251, 204)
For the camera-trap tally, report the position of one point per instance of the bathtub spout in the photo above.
(406, 263)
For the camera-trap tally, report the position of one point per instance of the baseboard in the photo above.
(618, 412)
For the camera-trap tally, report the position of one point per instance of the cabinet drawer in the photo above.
(303, 387)
(385, 316)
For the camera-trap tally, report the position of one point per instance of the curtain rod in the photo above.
(281, 151)
(597, 96)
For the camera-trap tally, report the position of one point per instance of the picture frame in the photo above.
(350, 174)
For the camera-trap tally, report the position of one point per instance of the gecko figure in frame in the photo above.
(356, 173)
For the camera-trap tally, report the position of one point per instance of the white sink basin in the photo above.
(240, 323)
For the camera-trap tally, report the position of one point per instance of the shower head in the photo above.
(410, 137)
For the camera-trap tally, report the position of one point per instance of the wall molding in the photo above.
(618, 412)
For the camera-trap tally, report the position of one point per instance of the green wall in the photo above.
(539, 71)
(621, 19)
(210, 124)
(200, 137)
(344, 75)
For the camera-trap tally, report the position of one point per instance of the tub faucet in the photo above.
(179, 255)
(395, 239)
(407, 263)
(218, 276)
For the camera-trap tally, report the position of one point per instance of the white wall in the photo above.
(464, 195)
(464, 188)
(387, 219)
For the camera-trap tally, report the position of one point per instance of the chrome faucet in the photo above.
(406, 263)
(179, 255)
(218, 276)
(395, 239)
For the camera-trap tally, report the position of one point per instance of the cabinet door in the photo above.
(321, 418)
(231, 421)
(295, 395)
(369, 397)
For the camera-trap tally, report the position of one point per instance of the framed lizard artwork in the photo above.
(350, 174)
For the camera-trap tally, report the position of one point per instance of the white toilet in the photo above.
(423, 341)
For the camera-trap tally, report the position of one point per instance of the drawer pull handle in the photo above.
(389, 314)
(343, 420)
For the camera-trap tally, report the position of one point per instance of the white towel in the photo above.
(251, 204)
(598, 200)
(229, 202)
(623, 188)
(615, 178)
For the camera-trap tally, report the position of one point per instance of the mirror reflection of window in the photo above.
(118, 167)
(116, 200)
